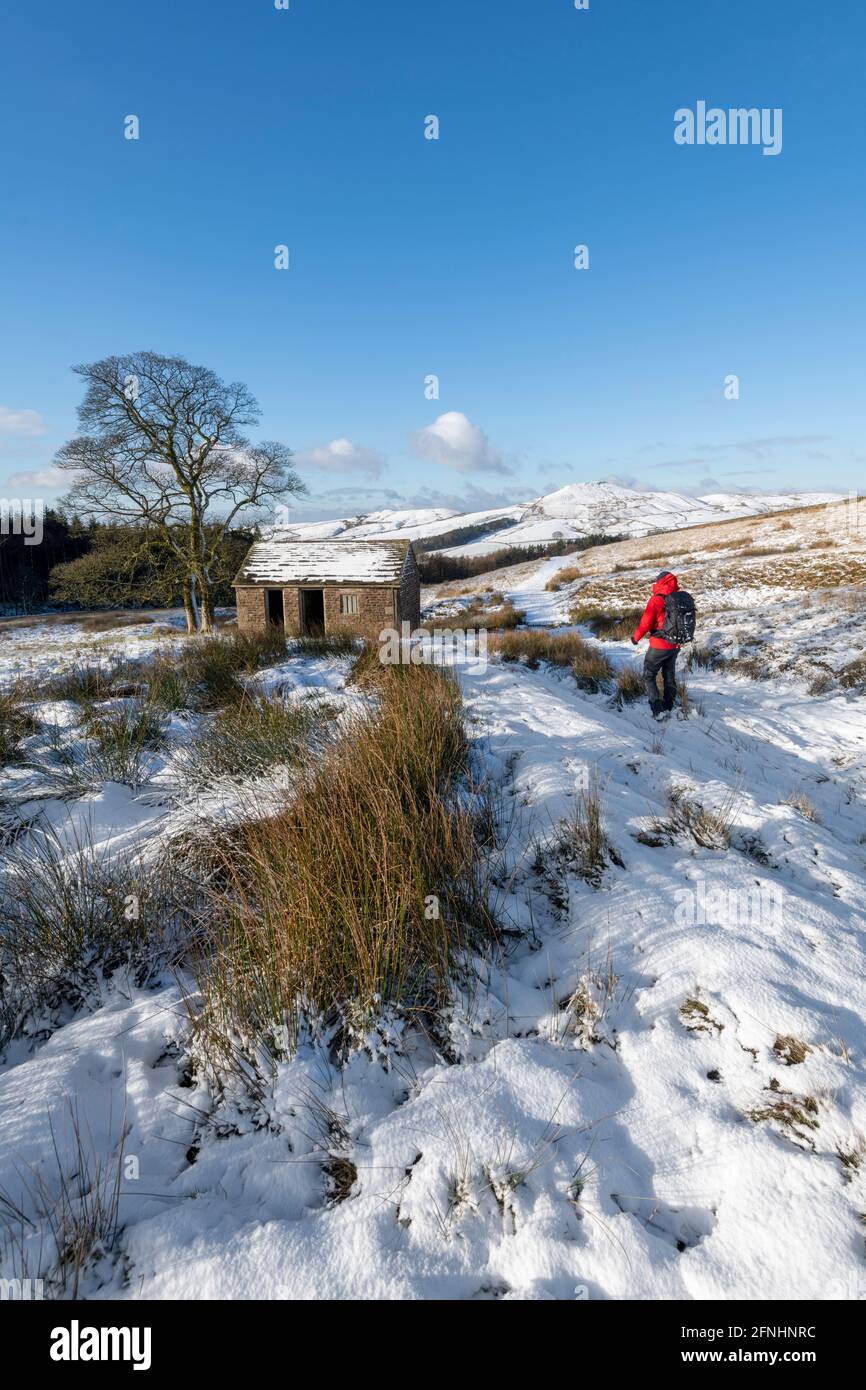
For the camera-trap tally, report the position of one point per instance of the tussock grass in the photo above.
(250, 737)
(108, 622)
(15, 724)
(852, 1156)
(365, 891)
(795, 1113)
(214, 664)
(205, 673)
(853, 675)
(367, 670)
(754, 667)
(169, 684)
(791, 1050)
(325, 644)
(801, 803)
(735, 543)
(566, 575)
(696, 1016)
(114, 748)
(591, 669)
(583, 838)
(822, 683)
(502, 619)
(687, 818)
(629, 685)
(70, 916)
(83, 684)
(587, 1007)
(66, 1215)
(119, 742)
(535, 645)
(605, 625)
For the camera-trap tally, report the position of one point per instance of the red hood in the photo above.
(667, 585)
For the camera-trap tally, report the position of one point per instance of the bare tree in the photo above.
(163, 444)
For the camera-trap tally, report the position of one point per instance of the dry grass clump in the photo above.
(790, 1112)
(116, 746)
(607, 626)
(15, 724)
(108, 622)
(326, 644)
(696, 1016)
(119, 741)
(67, 1209)
(535, 645)
(591, 669)
(209, 668)
(558, 581)
(853, 675)
(366, 890)
(583, 839)
(791, 1050)
(852, 1157)
(735, 543)
(706, 658)
(586, 1007)
(801, 803)
(754, 667)
(757, 552)
(69, 917)
(84, 685)
(503, 618)
(687, 818)
(245, 739)
(629, 685)
(822, 683)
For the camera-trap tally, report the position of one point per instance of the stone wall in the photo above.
(410, 592)
(377, 609)
(252, 613)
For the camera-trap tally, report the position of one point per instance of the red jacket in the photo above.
(654, 614)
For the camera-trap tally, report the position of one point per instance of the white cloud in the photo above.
(40, 478)
(341, 456)
(454, 441)
(21, 422)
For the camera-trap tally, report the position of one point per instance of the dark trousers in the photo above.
(659, 660)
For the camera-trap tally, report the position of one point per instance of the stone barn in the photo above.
(309, 587)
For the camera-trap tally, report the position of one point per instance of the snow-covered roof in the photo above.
(276, 561)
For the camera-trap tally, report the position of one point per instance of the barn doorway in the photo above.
(276, 615)
(312, 612)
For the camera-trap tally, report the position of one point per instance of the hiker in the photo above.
(669, 618)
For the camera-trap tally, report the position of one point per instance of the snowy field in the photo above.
(654, 1091)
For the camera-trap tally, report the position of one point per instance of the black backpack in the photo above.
(679, 624)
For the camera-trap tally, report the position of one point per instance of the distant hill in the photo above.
(577, 510)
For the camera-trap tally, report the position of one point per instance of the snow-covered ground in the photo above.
(656, 1090)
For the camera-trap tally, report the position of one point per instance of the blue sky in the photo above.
(411, 257)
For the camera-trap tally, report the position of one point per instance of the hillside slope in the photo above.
(577, 510)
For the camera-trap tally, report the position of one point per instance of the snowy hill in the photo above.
(573, 511)
(656, 1089)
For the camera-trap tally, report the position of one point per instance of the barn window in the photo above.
(348, 603)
